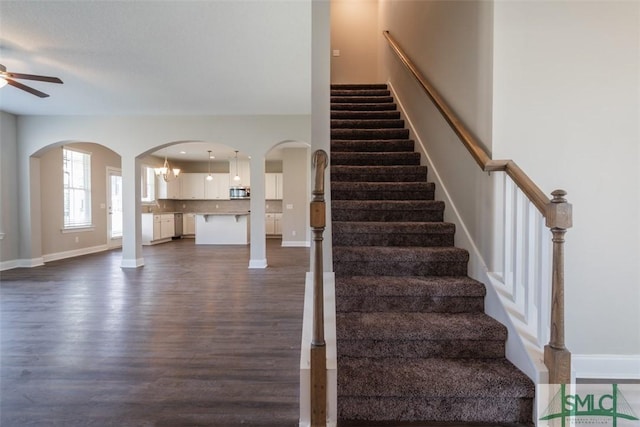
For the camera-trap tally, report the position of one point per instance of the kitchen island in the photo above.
(222, 228)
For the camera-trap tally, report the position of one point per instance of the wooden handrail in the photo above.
(318, 344)
(557, 214)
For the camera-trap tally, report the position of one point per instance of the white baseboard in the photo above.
(132, 263)
(21, 263)
(74, 253)
(606, 366)
(8, 265)
(258, 263)
(295, 244)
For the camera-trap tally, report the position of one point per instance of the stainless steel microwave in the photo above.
(239, 193)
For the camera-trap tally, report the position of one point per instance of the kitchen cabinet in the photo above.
(189, 224)
(217, 188)
(244, 172)
(193, 185)
(273, 224)
(169, 190)
(273, 186)
(167, 226)
(157, 228)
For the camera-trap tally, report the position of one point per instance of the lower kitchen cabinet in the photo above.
(189, 224)
(273, 224)
(157, 228)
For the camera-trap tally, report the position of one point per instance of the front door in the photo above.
(114, 208)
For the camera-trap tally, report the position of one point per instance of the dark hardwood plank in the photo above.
(193, 338)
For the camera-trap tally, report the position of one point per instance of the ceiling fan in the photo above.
(8, 78)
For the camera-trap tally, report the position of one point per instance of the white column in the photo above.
(258, 249)
(131, 214)
(320, 106)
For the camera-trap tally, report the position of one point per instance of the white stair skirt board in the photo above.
(606, 366)
(305, 350)
(258, 263)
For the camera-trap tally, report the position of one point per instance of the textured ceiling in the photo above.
(158, 57)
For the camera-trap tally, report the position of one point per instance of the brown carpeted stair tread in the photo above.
(364, 115)
(369, 134)
(371, 145)
(367, 124)
(442, 294)
(370, 233)
(375, 158)
(418, 326)
(395, 173)
(387, 210)
(391, 286)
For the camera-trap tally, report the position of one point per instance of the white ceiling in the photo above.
(209, 57)
(158, 57)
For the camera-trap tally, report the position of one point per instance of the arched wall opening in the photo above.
(49, 234)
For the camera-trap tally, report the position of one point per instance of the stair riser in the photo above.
(381, 195)
(361, 100)
(352, 86)
(374, 159)
(367, 124)
(365, 115)
(449, 349)
(402, 304)
(360, 92)
(378, 176)
(398, 268)
(371, 146)
(360, 134)
(382, 215)
(394, 239)
(364, 107)
(448, 409)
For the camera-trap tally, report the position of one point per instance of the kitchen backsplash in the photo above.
(186, 206)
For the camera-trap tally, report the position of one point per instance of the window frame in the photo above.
(68, 189)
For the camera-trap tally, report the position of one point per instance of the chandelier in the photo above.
(166, 171)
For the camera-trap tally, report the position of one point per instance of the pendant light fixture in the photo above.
(237, 177)
(209, 177)
(166, 171)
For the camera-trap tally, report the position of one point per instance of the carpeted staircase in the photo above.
(414, 343)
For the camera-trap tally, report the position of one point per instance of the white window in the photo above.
(77, 188)
(148, 184)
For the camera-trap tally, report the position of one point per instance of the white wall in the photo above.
(567, 108)
(354, 32)
(9, 239)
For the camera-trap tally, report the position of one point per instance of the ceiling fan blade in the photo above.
(33, 77)
(27, 88)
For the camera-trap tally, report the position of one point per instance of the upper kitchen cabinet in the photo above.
(218, 187)
(243, 171)
(273, 186)
(169, 190)
(193, 185)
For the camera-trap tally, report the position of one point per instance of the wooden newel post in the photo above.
(556, 356)
(318, 345)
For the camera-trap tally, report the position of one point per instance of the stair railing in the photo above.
(557, 214)
(318, 345)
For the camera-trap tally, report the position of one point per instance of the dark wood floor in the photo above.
(194, 338)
